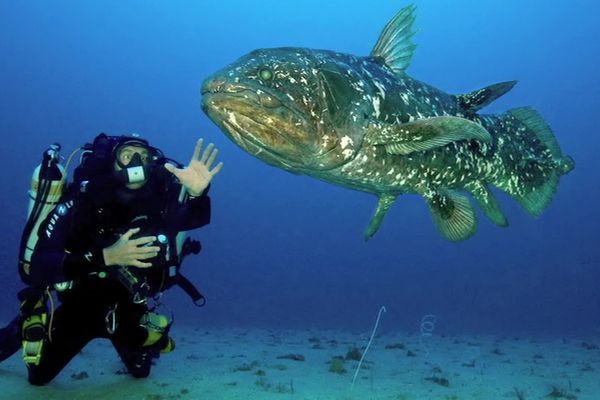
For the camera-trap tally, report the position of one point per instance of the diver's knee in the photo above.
(38, 379)
(140, 374)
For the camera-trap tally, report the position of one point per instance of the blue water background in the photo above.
(286, 250)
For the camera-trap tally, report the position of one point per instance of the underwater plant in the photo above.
(337, 365)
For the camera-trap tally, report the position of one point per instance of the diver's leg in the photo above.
(129, 338)
(10, 338)
(70, 332)
(137, 360)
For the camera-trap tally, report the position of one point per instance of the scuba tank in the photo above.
(47, 186)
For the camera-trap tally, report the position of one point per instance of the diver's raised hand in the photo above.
(197, 175)
(128, 252)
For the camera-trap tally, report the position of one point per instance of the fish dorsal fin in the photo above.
(476, 100)
(424, 134)
(395, 46)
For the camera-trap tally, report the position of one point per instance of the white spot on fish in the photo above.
(231, 119)
(376, 105)
(346, 141)
(381, 89)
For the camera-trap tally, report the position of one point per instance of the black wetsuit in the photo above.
(70, 249)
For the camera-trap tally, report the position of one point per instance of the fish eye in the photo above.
(265, 74)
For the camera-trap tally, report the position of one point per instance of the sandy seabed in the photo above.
(288, 364)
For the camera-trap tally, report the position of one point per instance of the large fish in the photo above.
(363, 123)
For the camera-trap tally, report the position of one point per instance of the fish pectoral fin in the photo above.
(383, 205)
(488, 203)
(395, 47)
(452, 214)
(424, 134)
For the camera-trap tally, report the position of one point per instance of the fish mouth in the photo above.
(254, 146)
(258, 121)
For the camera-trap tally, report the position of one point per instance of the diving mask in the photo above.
(134, 162)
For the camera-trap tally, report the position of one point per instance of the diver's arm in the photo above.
(195, 178)
(194, 213)
(51, 262)
(197, 175)
(131, 252)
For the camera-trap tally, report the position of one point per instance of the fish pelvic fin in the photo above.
(452, 213)
(488, 203)
(383, 205)
(424, 134)
(533, 163)
(476, 100)
(395, 47)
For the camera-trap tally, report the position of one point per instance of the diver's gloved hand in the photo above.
(129, 252)
(197, 175)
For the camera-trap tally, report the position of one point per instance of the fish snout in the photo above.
(213, 85)
(221, 85)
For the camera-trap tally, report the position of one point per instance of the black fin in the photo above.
(395, 46)
(475, 101)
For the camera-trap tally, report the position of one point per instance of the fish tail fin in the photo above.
(532, 160)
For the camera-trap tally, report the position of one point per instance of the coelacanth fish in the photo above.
(363, 123)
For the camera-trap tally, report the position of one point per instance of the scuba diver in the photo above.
(109, 248)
